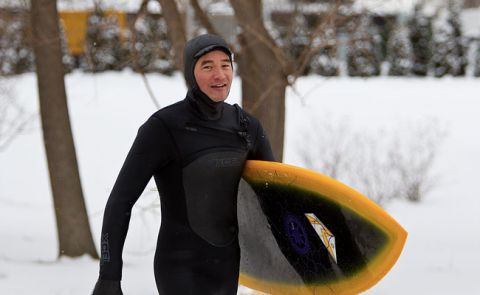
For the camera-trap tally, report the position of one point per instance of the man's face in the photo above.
(213, 73)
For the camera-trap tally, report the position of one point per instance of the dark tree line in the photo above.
(143, 47)
(420, 34)
(423, 45)
(16, 53)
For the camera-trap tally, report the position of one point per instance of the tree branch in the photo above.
(142, 11)
(318, 40)
(202, 17)
(249, 17)
(176, 29)
(150, 91)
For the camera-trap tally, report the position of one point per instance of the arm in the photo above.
(261, 149)
(149, 152)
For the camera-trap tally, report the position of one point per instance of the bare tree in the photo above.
(74, 232)
(265, 67)
(176, 29)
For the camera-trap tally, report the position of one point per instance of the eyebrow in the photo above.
(209, 61)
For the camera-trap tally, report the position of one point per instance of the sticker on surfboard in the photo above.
(326, 236)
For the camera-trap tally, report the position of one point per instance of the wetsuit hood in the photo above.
(194, 49)
(197, 47)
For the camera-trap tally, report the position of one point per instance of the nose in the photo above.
(218, 73)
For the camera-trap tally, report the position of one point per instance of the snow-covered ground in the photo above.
(442, 254)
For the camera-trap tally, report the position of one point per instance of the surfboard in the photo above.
(302, 232)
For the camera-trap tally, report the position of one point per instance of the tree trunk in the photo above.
(263, 68)
(176, 30)
(74, 234)
(263, 94)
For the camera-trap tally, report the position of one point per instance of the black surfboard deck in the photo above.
(302, 232)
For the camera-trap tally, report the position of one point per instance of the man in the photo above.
(195, 149)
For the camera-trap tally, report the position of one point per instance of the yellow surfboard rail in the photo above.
(333, 190)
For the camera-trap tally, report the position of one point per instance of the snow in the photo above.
(127, 5)
(441, 255)
(386, 6)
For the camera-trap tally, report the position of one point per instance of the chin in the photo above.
(218, 99)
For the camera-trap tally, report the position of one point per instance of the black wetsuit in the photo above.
(195, 150)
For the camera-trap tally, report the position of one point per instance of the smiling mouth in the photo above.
(219, 86)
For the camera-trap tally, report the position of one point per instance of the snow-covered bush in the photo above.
(476, 67)
(449, 50)
(149, 46)
(420, 34)
(103, 49)
(399, 52)
(384, 164)
(325, 62)
(16, 54)
(363, 56)
(457, 58)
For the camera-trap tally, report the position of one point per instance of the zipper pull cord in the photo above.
(244, 121)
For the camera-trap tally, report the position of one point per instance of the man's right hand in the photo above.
(107, 287)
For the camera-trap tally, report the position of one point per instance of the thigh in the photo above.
(197, 273)
(176, 280)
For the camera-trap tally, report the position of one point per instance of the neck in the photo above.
(205, 107)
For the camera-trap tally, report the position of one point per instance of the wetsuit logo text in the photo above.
(226, 162)
(105, 249)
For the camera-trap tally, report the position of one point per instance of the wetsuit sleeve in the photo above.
(150, 152)
(261, 149)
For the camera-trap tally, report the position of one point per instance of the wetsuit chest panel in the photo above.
(210, 185)
(194, 138)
